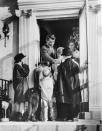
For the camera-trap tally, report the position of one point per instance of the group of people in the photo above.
(58, 81)
(65, 68)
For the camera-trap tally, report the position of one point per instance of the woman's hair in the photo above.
(50, 36)
(70, 41)
(19, 57)
(66, 52)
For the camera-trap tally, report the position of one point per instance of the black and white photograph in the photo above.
(50, 65)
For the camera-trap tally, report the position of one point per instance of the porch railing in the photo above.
(4, 89)
(4, 93)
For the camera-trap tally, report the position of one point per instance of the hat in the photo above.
(19, 57)
(46, 71)
(60, 50)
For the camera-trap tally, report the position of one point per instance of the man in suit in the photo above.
(48, 53)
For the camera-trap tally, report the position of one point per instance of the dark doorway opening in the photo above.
(62, 29)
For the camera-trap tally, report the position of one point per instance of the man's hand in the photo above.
(57, 61)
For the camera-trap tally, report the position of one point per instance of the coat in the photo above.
(67, 85)
(20, 73)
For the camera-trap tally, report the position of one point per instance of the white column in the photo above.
(34, 46)
(29, 40)
(95, 64)
(83, 54)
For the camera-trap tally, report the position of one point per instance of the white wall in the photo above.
(6, 54)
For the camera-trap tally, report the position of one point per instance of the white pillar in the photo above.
(29, 41)
(34, 46)
(95, 64)
(83, 55)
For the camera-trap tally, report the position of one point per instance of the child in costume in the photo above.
(46, 84)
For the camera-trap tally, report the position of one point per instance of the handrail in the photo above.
(3, 79)
(4, 93)
(4, 88)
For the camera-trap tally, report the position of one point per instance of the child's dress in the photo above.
(47, 85)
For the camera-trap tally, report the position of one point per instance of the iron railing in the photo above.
(4, 89)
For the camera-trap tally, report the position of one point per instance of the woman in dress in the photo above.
(20, 73)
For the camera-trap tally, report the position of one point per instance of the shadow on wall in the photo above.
(6, 67)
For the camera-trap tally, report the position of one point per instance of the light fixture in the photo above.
(5, 30)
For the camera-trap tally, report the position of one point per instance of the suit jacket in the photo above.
(48, 54)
